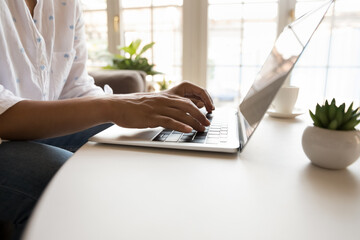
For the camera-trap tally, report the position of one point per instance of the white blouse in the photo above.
(42, 57)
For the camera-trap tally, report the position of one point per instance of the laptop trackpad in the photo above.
(116, 133)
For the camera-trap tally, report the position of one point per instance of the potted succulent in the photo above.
(133, 59)
(333, 142)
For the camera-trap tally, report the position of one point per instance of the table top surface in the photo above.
(269, 191)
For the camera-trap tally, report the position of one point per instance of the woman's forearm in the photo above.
(29, 120)
(176, 109)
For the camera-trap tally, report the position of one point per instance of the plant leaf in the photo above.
(355, 116)
(145, 48)
(333, 102)
(118, 56)
(323, 118)
(130, 50)
(350, 125)
(340, 115)
(317, 109)
(136, 44)
(348, 114)
(331, 111)
(316, 121)
(356, 110)
(327, 106)
(333, 125)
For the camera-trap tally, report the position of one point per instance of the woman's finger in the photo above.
(195, 91)
(197, 102)
(187, 106)
(170, 123)
(185, 118)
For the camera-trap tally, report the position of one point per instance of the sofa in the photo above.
(121, 81)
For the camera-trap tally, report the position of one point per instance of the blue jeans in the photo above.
(26, 167)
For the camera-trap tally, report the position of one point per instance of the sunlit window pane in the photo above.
(136, 3)
(167, 2)
(257, 42)
(317, 52)
(311, 82)
(94, 5)
(239, 1)
(160, 22)
(168, 39)
(342, 83)
(137, 20)
(260, 12)
(226, 86)
(241, 34)
(96, 29)
(335, 50)
(345, 47)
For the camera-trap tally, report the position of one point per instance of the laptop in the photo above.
(230, 129)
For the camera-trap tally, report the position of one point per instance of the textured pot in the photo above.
(331, 149)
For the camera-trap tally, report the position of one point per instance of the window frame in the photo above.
(195, 34)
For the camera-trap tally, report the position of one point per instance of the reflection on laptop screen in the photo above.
(285, 53)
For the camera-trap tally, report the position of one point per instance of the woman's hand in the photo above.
(176, 109)
(199, 96)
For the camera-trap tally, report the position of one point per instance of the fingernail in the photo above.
(188, 129)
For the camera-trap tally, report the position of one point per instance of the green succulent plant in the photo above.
(134, 59)
(334, 117)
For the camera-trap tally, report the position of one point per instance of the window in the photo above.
(158, 21)
(330, 66)
(95, 16)
(221, 44)
(236, 44)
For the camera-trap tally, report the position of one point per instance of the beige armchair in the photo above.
(121, 81)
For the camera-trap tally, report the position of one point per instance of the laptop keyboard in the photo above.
(216, 133)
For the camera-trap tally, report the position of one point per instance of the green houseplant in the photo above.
(333, 141)
(334, 117)
(133, 58)
(164, 84)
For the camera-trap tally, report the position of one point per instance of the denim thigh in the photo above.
(74, 141)
(26, 167)
(25, 170)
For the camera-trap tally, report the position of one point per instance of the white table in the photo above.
(270, 191)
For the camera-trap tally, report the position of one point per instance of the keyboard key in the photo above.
(176, 132)
(186, 139)
(201, 134)
(212, 141)
(192, 134)
(174, 137)
(214, 133)
(198, 140)
(161, 137)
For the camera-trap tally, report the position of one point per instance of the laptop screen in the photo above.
(285, 53)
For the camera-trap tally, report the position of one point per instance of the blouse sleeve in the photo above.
(79, 83)
(7, 99)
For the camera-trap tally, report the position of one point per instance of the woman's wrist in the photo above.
(104, 108)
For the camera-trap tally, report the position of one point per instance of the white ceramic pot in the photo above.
(331, 149)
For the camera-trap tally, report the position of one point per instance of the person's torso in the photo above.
(36, 53)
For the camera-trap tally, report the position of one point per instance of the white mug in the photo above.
(285, 99)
